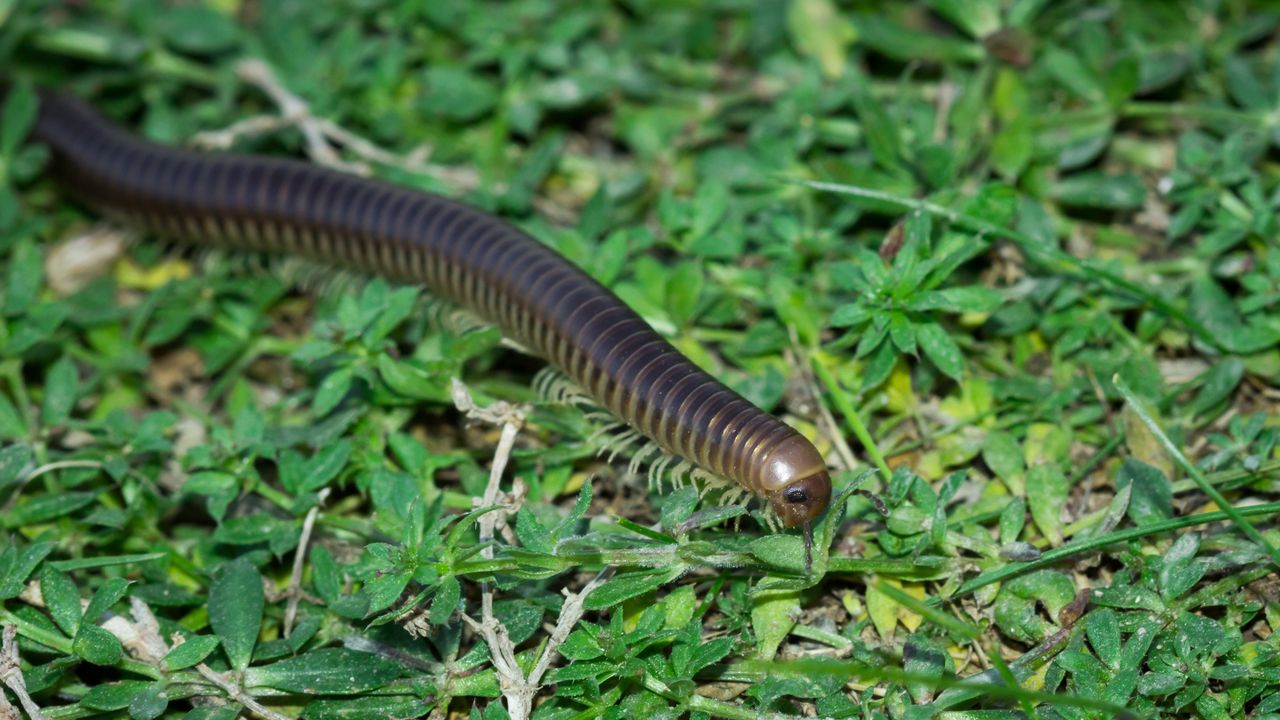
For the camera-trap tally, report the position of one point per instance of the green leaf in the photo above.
(1180, 570)
(327, 671)
(1067, 68)
(532, 534)
(683, 291)
(773, 615)
(16, 567)
(1012, 148)
(408, 379)
(107, 595)
(150, 703)
(926, 659)
(709, 653)
(973, 298)
(1106, 192)
(1103, 629)
(1001, 453)
(1009, 96)
(1212, 306)
(97, 646)
(362, 708)
(62, 386)
(46, 507)
(190, 653)
(1017, 608)
(384, 589)
(1047, 498)
(253, 529)
(457, 94)
(1217, 384)
(1122, 81)
(978, 18)
(20, 105)
(996, 203)
(249, 427)
(198, 29)
(709, 208)
(678, 507)
(325, 466)
(399, 305)
(941, 350)
(62, 599)
(850, 315)
(902, 332)
(332, 389)
(8, 207)
(1244, 85)
(880, 366)
(114, 695)
(15, 460)
(236, 603)
(780, 551)
(23, 282)
(792, 306)
(1012, 520)
(625, 586)
(1151, 499)
(906, 43)
(219, 487)
(446, 600)
(882, 132)
(678, 607)
(581, 645)
(1157, 684)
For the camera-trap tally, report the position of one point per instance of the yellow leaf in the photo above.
(960, 447)
(1143, 445)
(818, 30)
(1035, 681)
(130, 275)
(1046, 442)
(975, 398)
(852, 605)
(909, 619)
(898, 392)
(575, 483)
(886, 613)
(883, 612)
(632, 610)
(930, 466)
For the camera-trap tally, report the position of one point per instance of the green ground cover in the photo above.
(1012, 264)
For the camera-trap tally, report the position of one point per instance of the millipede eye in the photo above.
(795, 494)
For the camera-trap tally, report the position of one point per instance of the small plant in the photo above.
(900, 299)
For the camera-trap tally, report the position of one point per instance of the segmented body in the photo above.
(466, 255)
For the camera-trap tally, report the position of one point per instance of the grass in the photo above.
(1012, 266)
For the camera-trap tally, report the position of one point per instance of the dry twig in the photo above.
(11, 676)
(233, 691)
(299, 557)
(518, 689)
(321, 134)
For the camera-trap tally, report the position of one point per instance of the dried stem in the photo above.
(321, 134)
(11, 676)
(233, 691)
(518, 689)
(295, 577)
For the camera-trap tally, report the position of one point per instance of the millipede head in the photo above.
(796, 483)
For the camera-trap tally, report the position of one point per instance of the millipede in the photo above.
(465, 255)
